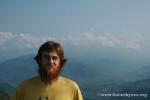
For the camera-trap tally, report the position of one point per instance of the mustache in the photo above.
(50, 65)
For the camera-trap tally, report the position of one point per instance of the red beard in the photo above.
(48, 75)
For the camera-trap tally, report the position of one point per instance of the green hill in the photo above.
(3, 95)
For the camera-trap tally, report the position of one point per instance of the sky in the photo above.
(116, 29)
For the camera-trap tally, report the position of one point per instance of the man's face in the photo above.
(50, 62)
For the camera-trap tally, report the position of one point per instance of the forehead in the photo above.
(54, 53)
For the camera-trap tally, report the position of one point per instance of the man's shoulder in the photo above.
(69, 82)
(30, 80)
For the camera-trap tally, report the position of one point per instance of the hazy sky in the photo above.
(105, 28)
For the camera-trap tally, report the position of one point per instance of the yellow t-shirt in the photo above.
(35, 89)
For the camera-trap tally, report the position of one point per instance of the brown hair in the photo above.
(48, 47)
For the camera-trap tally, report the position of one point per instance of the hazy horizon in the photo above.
(95, 29)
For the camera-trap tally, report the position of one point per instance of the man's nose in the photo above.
(51, 60)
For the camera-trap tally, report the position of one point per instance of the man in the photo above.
(49, 85)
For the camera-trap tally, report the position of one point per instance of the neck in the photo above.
(49, 80)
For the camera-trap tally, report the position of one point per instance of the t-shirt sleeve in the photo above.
(19, 93)
(77, 93)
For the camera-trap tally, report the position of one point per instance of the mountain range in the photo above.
(93, 76)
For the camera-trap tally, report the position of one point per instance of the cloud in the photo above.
(4, 36)
(126, 40)
(10, 41)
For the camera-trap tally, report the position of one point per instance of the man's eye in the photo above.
(51, 57)
(55, 58)
(46, 56)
